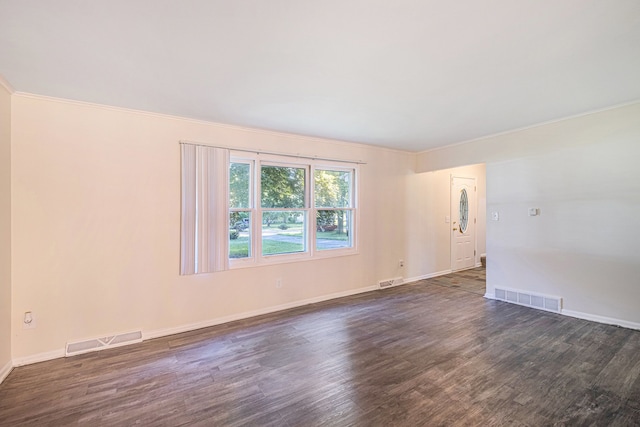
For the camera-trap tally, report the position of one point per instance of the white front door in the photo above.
(463, 223)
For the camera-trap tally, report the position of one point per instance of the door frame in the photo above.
(475, 222)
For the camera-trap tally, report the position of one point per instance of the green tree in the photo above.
(281, 187)
(239, 174)
(332, 191)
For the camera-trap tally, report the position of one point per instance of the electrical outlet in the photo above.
(28, 321)
(401, 263)
(278, 283)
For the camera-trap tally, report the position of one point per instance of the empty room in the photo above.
(338, 213)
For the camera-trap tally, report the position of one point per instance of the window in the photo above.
(299, 209)
(464, 210)
(241, 209)
(284, 209)
(334, 208)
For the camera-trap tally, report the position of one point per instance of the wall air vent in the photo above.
(383, 284)
(529, 299)
(95, 344)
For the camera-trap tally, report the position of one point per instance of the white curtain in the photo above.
(203, 237)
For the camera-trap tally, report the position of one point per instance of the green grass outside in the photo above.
(272, 247)
(239, 248)
(332, 235)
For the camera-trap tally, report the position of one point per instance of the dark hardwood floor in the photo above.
(473, 280)
(420, 354)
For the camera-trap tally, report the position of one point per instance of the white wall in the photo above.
(5, 230)
(584, 176)
(95, 210)
(428, 249)
(96, 207)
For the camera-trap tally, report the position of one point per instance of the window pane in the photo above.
(464, 210)
(332, 188)
(239, 185)
(283, 232)
(239, 234)
(333, 229)
(282, 187)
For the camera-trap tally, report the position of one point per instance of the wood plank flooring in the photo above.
(473, 280)
(419, 354)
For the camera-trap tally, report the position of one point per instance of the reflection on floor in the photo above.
(473, 280)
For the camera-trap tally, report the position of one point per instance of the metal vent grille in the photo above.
(529, 299)
(383, 284)
(94, 344)
(524, 299)
(537, 302)
(552, 304)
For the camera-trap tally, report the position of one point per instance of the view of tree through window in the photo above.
(282, 190)
(280, 214)
(243, 209)
(332, 191)
(239, 185)
(240, 210)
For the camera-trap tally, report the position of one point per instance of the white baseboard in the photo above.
(56, 354)
(5, 371)
(427, 276)
(248, 314)
(40, 357)
(601, 319)
(587, 316)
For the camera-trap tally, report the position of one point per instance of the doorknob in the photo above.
(455, 229)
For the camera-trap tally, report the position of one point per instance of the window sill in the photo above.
(235, 264)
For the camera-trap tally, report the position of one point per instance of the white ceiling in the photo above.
(406, 74)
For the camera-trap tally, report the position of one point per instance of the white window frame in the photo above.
(251, 209)
(257, 258)
(205, 208)
(355, 220)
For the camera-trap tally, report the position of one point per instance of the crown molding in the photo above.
(278, 134)
(5, 84)
(533, 126)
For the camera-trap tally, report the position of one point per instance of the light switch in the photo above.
(495, 216)
(533, 211)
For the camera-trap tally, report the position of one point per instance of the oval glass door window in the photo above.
(464, 210)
